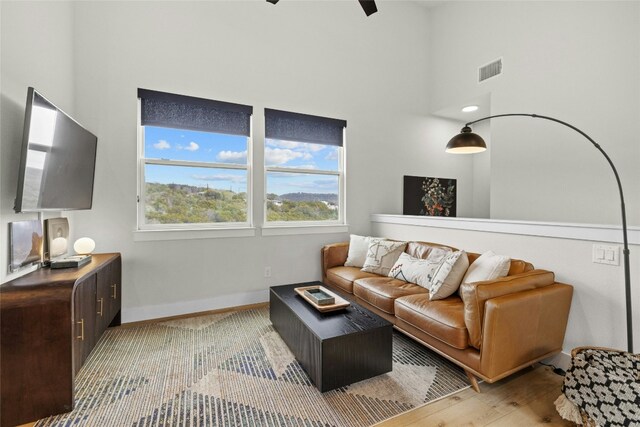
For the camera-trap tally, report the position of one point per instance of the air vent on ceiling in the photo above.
(492, 69)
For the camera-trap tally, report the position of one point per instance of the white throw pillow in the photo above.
(413, 270)
(382, 254)
(358, 246)
(447, 277)
(488, 266)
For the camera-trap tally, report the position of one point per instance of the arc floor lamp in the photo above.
(467, 142)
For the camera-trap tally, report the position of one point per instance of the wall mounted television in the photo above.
(57, 163)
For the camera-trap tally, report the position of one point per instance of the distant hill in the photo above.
(310, 197)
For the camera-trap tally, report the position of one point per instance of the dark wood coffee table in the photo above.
(337, 348)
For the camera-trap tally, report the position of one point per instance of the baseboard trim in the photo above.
(194, 307)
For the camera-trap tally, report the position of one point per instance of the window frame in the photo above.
(340, 173)
(141, 223)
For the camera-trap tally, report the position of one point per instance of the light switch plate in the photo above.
(606, 254)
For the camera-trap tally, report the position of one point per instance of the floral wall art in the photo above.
(429, 196)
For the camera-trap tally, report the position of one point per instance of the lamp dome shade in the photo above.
(84, 246)
(466, 142)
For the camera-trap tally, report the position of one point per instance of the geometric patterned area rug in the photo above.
(233, 369)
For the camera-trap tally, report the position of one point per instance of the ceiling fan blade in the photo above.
(369, 6)
(273, 1)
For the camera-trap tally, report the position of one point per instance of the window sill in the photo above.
(193, 233)
(288, 230)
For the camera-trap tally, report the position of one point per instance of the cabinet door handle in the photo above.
(101, 301)
(114, 295)
(81, 323)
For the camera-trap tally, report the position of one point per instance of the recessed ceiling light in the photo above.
(469, 108)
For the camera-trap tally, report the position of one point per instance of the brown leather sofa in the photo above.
(491, 329)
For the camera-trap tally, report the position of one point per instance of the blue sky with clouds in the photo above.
(179, 144)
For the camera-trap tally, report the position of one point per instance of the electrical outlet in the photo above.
(267, 272)
(606, 254)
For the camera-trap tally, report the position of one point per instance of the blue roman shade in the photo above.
(303, 127)
(187, 112)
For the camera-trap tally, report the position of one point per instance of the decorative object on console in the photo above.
(382, 254)
(73, 261)
(84, 246)
(488, 266)
(357, 255)
(448, 276)
(467, 142)
(56, 232)
(429, 196)
(25, 239)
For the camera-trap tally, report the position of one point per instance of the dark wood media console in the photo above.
(50, 320)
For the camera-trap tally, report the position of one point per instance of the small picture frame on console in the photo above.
(56, 238)
(25, 244)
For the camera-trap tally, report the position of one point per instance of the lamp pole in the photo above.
(466, 131)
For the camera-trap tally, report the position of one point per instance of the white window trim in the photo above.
(270, 228)
(193, 233)
(189, 229)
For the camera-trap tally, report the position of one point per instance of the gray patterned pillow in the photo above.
(381, 255)
(447, 277)
(417, 270)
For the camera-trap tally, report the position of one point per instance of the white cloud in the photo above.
(333, 155)
(232, 156)
(162, 145)
(283, 144)
(280, 156)
(309, 166)
(298, 146)
(191, 147)
(221, 177)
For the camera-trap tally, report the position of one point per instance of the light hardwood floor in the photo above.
(524, 399)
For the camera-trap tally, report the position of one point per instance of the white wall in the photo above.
(322, 58)
(36, 50)
(577, 61)
(482, 175)
(597, 316)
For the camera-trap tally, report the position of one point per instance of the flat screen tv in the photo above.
(57, 162)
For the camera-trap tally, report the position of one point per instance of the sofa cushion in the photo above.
(343, 277)
(381, 292)
(518, 266)
(475, 295)
(423, 249)
(442, 319)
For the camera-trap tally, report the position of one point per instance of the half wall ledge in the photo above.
(589, 232)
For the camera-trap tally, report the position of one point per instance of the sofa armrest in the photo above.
(523, 327)
(474, 295)
(333, 255)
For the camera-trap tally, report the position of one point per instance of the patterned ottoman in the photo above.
(601, 388)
